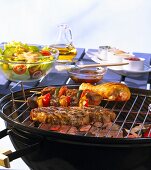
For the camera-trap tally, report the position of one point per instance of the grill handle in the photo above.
(6, 156)
(4, 133)
(19, 153)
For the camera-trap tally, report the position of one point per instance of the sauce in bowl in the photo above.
(87, 75)
(135, 64)
(133, 59)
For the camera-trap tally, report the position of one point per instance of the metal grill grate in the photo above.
(135, 113)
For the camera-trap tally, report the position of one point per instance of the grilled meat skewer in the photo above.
(64, 97)
(86, 95)
(74, 116)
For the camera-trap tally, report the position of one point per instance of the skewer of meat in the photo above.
(74, 116)
(52, 96)
(86, 95)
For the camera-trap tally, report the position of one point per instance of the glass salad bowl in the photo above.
(26, 63)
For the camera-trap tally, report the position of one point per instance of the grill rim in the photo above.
(75, 139)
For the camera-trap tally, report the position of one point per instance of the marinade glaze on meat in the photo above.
(74, 116)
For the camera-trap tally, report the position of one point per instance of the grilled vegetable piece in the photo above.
(62, 91)
(74, 116)
(64, 101)
(46, 100)
(112, 91)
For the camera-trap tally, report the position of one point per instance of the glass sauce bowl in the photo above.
(87, 75)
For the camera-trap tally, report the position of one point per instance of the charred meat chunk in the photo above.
(46, 90)
(74, 116)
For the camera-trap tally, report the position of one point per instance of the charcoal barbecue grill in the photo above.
(44, 149)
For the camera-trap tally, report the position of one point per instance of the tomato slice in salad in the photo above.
(20, 69)
(45, 53)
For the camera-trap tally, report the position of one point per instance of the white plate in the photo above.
(94, 55)
(132, 73)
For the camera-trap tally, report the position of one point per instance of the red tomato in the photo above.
(45, 53)
(62, 91)
(20, 69)
(46, 100)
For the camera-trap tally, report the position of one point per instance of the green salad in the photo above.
(23, 62)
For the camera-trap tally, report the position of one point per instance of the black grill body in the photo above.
(54, 155)
(58, 151)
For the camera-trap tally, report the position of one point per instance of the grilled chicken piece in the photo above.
(112, 91)
(74, 116)
(89, 98)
